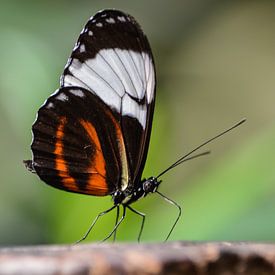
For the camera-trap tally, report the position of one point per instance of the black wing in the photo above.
(112, 59)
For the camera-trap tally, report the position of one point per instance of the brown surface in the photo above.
(156, 258)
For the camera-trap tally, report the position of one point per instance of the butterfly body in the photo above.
(139, 191)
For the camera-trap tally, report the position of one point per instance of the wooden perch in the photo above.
(146, 258)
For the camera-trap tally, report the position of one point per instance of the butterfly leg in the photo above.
(94, 222)
(142, 223)
(179, 213)
(117, 225)
(117, 216)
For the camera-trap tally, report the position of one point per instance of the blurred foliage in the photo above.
(215, 64)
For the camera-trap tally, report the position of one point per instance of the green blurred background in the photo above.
(215, 64)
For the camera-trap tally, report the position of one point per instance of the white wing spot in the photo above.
(82, 48)
(90, 33)
(62, 97)
(83, 30)
(110, 20)
(50, 105)
(99, 25)
(77, 93)
(121, 18)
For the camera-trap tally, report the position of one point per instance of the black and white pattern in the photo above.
(106, 101)
(113, 60)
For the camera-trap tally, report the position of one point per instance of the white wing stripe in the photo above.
(138, 60)
(71, 80)
(150, 84)
(95, 83)
(122, 70)
(130, 66)
(113, 59)
(146, 65)
(121, 83)
(98, 65)
(118, 77)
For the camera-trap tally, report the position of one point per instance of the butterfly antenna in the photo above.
(192, 157)
(184, 158)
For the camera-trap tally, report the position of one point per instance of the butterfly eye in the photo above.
(149, 185)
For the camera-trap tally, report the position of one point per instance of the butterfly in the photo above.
(92, 135)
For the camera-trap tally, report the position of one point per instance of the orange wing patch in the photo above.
(96, 184)
(60, 163)
(97, 181)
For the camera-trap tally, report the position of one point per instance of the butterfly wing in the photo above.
(113, 60)
(92, 135)
(78, 144)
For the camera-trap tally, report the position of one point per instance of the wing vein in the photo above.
(112, 69)
(127, 72)
(73, 75)
(101, 77)
(137, 70)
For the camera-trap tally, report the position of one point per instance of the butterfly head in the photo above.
(150, 185)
